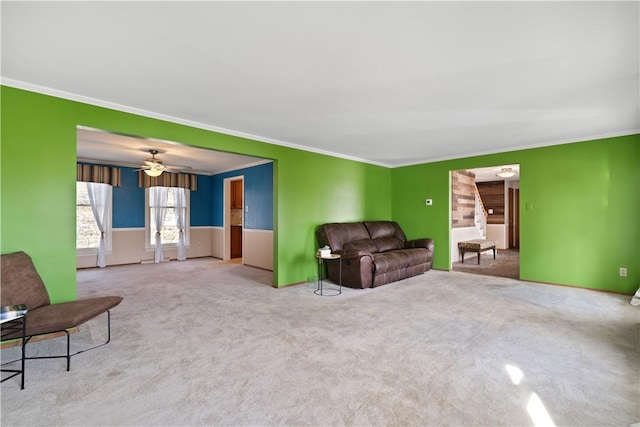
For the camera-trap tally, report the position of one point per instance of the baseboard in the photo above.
(578, 287)
(152, 261)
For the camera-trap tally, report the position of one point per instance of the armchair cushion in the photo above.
(66, 315)
(21, 283)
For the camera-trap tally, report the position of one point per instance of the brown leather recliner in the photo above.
(374, 253)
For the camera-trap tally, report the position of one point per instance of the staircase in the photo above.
(480, 215)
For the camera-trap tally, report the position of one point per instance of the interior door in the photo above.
(237, 217)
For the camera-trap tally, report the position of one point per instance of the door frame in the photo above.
(226, 247)
(514, 218)
(452, 243)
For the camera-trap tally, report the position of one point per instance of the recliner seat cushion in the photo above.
(387, 244)
(390, 261)
(416, 256)
(365, 245)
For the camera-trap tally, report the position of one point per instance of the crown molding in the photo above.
(145, 113)
(524, 147)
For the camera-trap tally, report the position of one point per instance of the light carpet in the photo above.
(206, 342)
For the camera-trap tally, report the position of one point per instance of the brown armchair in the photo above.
(21, 284)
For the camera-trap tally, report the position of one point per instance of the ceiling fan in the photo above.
(154, 166)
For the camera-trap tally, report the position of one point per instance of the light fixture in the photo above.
(506, 173)
(153, 167)
(153, 171)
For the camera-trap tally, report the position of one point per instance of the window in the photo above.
(170, 231)
(87, 231)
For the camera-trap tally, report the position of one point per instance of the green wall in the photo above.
(37, 184)
(579, 204)
(582, 228)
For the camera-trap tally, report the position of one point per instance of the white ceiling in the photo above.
(489, 173)
(390, 83)
(96, 146)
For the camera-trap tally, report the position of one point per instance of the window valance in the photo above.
(168, 179)
(100, 174)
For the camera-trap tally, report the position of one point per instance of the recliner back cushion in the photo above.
(337, 234)
(20, 282)
(366, 245)
(386, 244)
(381, 229)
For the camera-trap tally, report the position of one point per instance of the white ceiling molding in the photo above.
(137, 111)
(526, 147)
(386, 83)
(99, 103)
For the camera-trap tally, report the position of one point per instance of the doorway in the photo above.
(234, 218)
(485, 204)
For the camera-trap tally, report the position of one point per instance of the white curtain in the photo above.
(181, 204)
(100, 200)
(158, 205)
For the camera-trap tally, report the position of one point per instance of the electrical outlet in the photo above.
(623, 272)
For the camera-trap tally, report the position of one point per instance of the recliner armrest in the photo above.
(425, 242)
(357, 269)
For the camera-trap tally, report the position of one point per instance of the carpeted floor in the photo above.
(506, 264)
(204, 342)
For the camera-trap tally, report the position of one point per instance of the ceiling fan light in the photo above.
(153, 171)
(506, 173)
(153, 162)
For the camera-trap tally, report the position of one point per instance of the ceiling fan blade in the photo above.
(177, 168)
(155, 164)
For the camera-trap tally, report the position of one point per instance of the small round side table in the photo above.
(328, 291)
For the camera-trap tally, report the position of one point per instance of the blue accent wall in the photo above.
(202, 203)
(206, 203)
(128, 202)
(258, 195)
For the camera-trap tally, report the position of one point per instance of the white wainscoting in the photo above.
(257, 249)
(217, 242)
(497, 233)
(128, 247)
